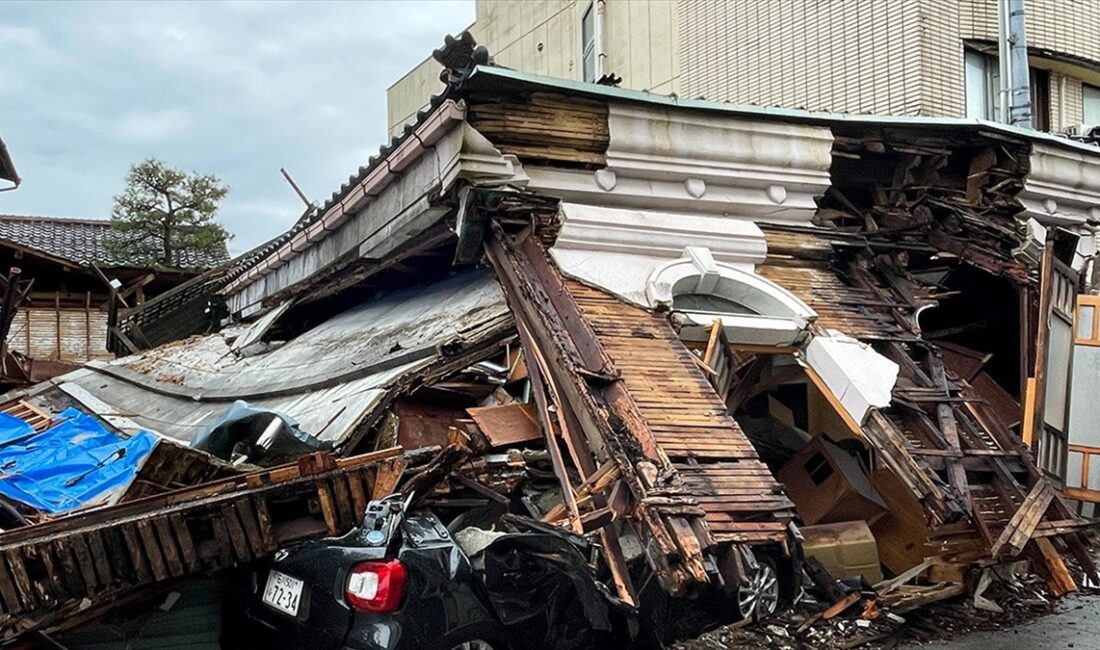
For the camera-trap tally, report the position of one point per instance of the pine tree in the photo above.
(164, 211)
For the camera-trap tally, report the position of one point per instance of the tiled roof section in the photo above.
(83, 241)
(458, 55)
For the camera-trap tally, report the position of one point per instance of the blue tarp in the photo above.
(76, 462)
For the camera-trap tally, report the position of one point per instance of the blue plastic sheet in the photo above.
(73, 463)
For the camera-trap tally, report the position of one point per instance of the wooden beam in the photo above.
(1023, 522)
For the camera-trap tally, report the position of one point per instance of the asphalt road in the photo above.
(1076, 624)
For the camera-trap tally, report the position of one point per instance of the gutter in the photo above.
(493, 77)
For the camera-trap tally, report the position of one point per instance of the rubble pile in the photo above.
(595, 421)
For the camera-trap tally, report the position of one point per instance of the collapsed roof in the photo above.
(672, 269)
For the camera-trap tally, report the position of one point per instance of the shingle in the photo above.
(83, 241)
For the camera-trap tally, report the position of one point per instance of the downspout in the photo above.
(598, 28)
(1003, 61)
(1020, 109)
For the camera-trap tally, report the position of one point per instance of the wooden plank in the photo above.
(70, 574)
(236, 533)
(263, 516)
(84, 563)
(328, 508)
(136, 552)
(56, 580)
(186, 543)
(168, 547)
(343, 501)
(251, 528)
(508, 424)
(8, 595)
(358, 498)
(1023, 522)
(1059, 580)
(99, 558)
(45, 590)
(21, 580)
(387, 478)
(118, 556)
(152, 550)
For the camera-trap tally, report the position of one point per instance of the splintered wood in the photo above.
(50, 572)
(914, 215)
(627, 393)
(545, 126)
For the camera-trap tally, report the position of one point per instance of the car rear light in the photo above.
(376, 586)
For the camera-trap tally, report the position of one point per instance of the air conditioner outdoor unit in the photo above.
(1083, 131)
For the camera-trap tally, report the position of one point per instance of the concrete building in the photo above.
(888, 57)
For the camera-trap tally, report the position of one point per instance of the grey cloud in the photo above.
(234, 89)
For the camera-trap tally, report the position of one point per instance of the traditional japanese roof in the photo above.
(83, 241)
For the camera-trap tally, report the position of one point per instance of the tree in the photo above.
(164, 211)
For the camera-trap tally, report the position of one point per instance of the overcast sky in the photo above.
(233, 89)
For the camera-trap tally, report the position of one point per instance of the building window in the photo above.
(1090, 96)
(1040, 99)
(1088, 320)
(588, 42)
(983, 85)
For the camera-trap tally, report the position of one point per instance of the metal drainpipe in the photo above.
(598, 26)
(1003, 59)
(1020, 109)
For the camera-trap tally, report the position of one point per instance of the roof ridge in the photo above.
(35, 217)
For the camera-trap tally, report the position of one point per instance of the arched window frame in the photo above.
(780, 317)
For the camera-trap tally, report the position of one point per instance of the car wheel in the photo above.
(759, 598)
(476, 644)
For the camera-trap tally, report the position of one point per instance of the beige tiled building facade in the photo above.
(902, 57)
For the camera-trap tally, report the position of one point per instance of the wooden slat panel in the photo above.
(687, 418)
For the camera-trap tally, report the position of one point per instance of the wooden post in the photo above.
(7, 312)
(57, 324)
(87, 325)
(1042, 339)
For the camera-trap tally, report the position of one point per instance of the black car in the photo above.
(403, 581)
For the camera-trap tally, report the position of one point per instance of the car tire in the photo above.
(763, 594)
(474, 637)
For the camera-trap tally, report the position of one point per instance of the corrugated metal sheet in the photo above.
(329, 378)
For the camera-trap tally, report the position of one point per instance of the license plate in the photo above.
(283, 592)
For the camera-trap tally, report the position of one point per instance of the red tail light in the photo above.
(376, 586)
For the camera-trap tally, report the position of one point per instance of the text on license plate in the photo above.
(283, 592)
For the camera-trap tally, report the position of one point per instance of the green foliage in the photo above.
(163, 212)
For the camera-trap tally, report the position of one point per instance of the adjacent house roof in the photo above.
(83, 241)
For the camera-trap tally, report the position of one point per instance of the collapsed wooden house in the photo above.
(61, 304)
(712, 322)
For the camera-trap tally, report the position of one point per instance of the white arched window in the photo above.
(752, 309)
